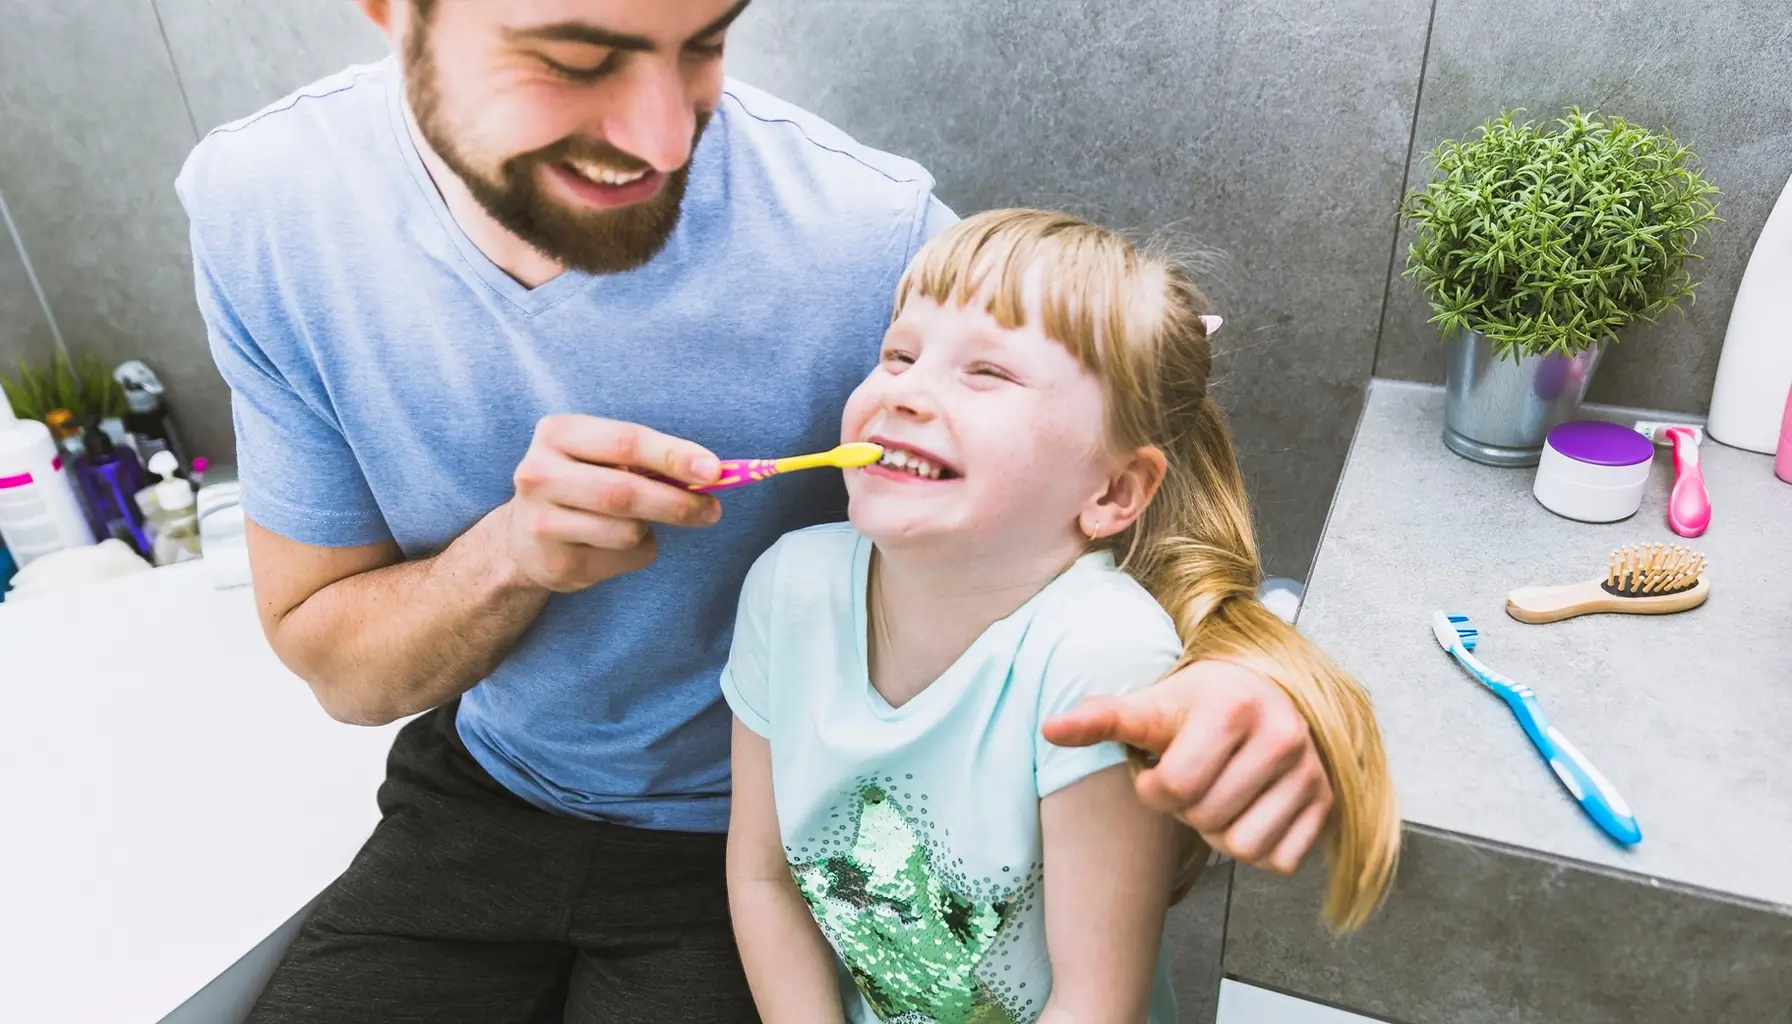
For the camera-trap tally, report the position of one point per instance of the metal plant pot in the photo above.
(1498, 411)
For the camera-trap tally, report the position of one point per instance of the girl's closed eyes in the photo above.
(990, 371)
(896, 360)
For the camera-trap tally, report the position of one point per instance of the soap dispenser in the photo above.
(172, 512)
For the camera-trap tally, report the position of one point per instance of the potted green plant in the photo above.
(1536, 246)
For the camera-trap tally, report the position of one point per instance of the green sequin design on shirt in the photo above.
(911, 940)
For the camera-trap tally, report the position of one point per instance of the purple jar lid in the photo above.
(1601, 443)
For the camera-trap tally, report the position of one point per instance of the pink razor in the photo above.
(1689, 505)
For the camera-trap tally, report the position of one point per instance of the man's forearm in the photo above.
(393, 641)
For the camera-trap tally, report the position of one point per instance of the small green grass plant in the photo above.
(83, 385)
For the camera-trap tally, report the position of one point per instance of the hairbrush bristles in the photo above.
(1643, 570)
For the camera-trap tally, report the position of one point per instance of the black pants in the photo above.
(468, 904)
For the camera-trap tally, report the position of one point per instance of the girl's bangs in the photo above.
(1014, 261)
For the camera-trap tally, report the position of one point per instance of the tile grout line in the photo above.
(1225, 927)
(37, 287)
(1412, 139)
(174, 66)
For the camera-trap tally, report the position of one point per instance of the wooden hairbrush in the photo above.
(1640, 579)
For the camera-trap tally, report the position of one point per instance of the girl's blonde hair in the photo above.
(1136, 322)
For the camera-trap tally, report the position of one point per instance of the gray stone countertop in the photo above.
(1689, 715)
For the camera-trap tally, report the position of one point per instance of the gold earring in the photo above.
(1094, 534)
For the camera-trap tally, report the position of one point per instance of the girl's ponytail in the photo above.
(1199, 558)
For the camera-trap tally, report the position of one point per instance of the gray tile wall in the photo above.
(1278, 132)
(1196, 932)
(95, 118)
(275, 46)
(1713, 74)
(24, 325)
(95, 129)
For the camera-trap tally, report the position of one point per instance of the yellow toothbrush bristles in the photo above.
(846, 456)
(857, 453)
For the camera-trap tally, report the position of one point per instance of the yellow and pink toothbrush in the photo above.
(739, 472)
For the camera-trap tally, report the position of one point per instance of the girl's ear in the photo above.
(1129, 491)
(1211, 322)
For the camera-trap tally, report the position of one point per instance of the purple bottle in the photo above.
(110, 478)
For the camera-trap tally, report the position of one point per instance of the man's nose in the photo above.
(657, 119)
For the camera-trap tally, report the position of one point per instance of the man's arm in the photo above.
(1109, 865)
(379, 638)
(1236, 761)
(789, 964)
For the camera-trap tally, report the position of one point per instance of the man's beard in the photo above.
(593, 241)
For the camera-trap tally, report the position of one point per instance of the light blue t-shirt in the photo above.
(386, 377)
(913, 831)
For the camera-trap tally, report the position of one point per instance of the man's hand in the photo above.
(1235, 760)
(580, 516)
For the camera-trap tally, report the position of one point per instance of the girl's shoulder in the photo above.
(803, 551)
(1095, 615)
(1095, 599)
(1097, 632)
(803, 566)
(824, 535)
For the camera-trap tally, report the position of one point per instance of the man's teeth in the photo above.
(607, 175)
(914, 465)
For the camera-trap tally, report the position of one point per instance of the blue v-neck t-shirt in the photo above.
(386, 378)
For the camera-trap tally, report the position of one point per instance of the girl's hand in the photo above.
(1235, 759)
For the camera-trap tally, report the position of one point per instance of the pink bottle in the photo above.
(1782, 458)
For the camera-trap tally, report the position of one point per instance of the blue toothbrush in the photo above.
(1592, 790)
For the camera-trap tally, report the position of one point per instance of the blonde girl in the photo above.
(1058, 515)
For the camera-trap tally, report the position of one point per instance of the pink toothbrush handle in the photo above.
(1689, 506)
(735, 473)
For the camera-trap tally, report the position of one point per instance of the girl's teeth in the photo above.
(911, 464)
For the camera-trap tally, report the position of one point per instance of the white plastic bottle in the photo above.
(1755, 370)
(38, 509)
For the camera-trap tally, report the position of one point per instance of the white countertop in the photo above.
(170, 794)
